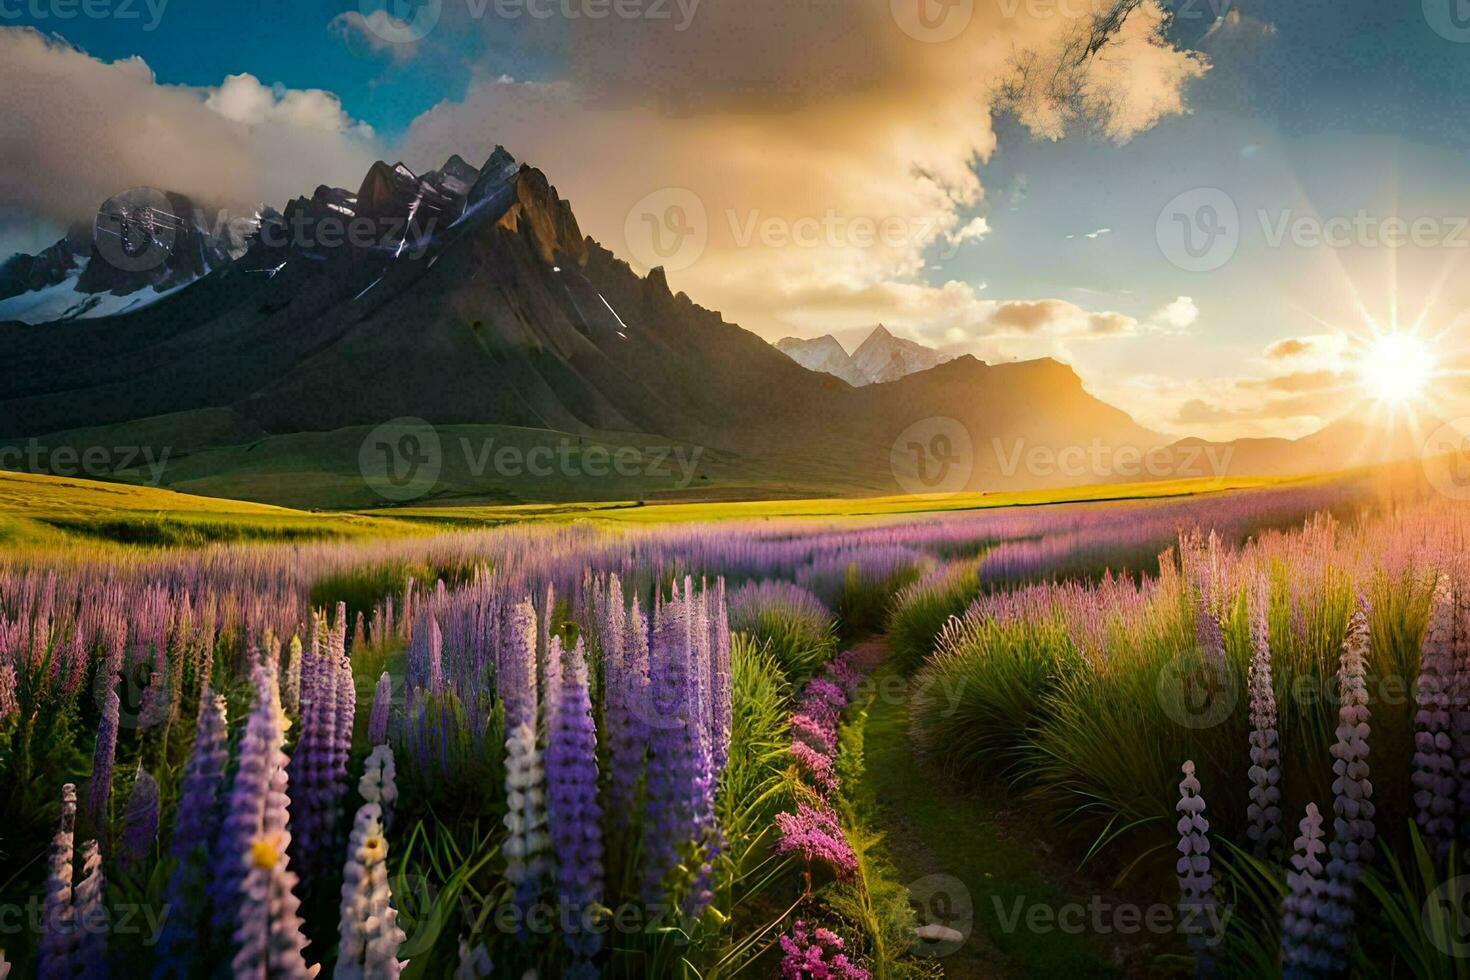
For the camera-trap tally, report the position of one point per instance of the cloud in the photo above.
(78, 130)
(765, 110)
(1175, 317)
(1288, 348)
(1303, 381)
(1058, 318)
(243, 99)
(374, 30)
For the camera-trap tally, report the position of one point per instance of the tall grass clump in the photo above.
(921, 609)
(860, 584)
(788, 623)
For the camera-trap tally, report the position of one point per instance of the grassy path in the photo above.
(932, 828)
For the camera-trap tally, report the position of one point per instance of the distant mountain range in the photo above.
(265, 365)
(880, 358)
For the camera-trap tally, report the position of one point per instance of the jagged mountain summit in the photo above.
(143, 245)
(880, 358)
(884, 357)
(824, 354)
(469, 299)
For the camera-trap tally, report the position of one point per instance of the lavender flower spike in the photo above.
(525, 816)
(1264, 811)
(99, 787)
(369, 931)
(58, 936)
(1196, 883)
(1434, 759)
(1303, 927)
(575, 819)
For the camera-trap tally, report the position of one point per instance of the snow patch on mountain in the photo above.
(881, 357)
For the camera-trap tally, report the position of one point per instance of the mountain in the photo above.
(477, 305)
(884, 357)
(823, 354)
(143, 245)
(881, 357)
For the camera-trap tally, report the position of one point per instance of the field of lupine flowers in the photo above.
(589, 751)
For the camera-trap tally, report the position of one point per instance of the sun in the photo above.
(1396, 367)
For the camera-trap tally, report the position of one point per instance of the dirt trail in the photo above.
(970, 860)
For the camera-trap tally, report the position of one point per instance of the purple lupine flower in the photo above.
(515, 674)
(626, 730)
(378, 717)
(668, 713)
(574, 818)
(197, 825)
(720, 681)
(1196, 883)
(1434, 760)
(99, 786)
(474, 962)
(814, 833)
(368, 927)
(256, 844)
(805, 956)
(1305, 925)
(1264, 811)
(1208, 633)
(140, 822)
(1352, 806)
(155, 707)
(58, 937)
(89, 917)
(1460, 709)
(435, 662)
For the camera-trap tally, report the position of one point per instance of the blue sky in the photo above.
(1308, 110)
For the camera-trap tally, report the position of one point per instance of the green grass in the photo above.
(935, 828)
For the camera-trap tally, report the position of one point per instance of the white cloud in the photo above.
(374, 30)
(1175, 317)
(243, 99)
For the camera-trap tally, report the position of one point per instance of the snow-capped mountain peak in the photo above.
(881, 357)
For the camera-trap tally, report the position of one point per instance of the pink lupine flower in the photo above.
(813, 832)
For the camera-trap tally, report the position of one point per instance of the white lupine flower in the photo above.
(525, 817)
(1264, 811)
(369, 930)
(1352, 805)
(378, 784)
(1303, 930)
(1196, 883)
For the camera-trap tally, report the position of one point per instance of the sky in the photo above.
(1211, 219)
